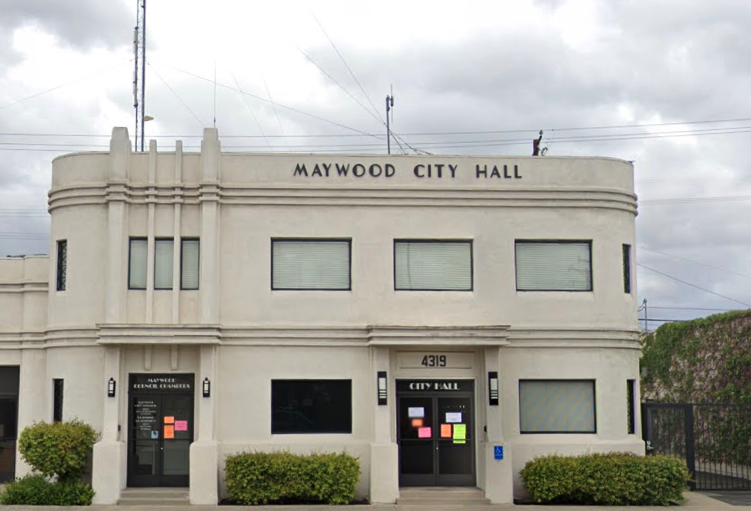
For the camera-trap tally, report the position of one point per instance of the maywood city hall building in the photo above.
(443, 318)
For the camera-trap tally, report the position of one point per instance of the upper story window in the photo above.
(189, 263)
(62, 264)
(137, 263)
(311, 264)
(164, 254)
(553, 265)
(627, 269)
(164, 250)
(432, 265)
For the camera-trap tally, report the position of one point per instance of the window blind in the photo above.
(309, 264)
(553, 266)
(137, 270)
(433, 266)
(189, 259)
(557, 406)
(163, 263)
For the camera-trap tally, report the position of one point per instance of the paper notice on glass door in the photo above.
(453, 417)
(169, 431)
(460, 433)
(416, 412)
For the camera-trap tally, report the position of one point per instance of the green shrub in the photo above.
(610, 479)
(58, 449)
(282, 477)
(35, 490)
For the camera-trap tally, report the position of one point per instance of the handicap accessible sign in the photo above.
(498, 452)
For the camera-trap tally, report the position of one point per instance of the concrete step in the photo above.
(154, 497)
(442, 496)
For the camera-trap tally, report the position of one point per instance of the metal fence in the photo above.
(713, 439)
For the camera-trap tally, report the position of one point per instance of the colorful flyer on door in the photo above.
(424, 433)
(181, 425)
(453, 417)
(417, 412)
(169, 431)
(460, 433)
(416, 423)
(445, 430)
(169, 419)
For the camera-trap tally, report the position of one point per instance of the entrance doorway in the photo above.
(160, 429)
(8, 421)
(435, 429)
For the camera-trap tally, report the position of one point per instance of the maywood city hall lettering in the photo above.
(420, 171)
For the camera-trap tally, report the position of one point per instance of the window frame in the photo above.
(548, 380)
(559, 242)
(313, 381)
(131, 239)
(312, 240)
(627, 287)
(61, 276)
(182, 248)
(471, 244)
(631, 406)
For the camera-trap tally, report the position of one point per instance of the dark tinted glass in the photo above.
(311, 406)
(57, 399)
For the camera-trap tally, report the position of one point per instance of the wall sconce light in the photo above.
(111, 386)
(206, 387)
(493, 388)
(383, 390)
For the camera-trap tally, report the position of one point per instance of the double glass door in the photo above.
(436, 440)
(161, 431)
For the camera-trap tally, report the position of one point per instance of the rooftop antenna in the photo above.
(139, 75)
(389, 106)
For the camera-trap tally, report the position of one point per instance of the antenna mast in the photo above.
(139, 75)
(389, 105)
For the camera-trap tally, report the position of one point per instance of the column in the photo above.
(499, 474)
(384, 453)
(204, 455)
(32, 402)
(109, 473)
(117, 260)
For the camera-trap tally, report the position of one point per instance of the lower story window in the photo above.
(311, 406)
(557, 406)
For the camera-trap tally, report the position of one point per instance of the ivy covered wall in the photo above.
(706, 360)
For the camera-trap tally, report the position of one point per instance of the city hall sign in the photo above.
(388, 170)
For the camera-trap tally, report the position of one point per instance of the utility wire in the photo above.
(695, 262)
(690, 308)
(176, 94)
(296, 110)
(340, 86)
(247, 105)
(692, 285)
(348, 68)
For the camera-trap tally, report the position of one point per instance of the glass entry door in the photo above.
(436, 439)
(161, 431)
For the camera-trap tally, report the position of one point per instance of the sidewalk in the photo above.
(694, 502)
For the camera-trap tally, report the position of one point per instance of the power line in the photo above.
(177, 95)
(692, 285)
(694, 262)
(692, 308)
(247, 105)
(348, 68)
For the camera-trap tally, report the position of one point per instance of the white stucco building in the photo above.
(419, 312)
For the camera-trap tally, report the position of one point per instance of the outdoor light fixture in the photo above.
(111, 385)
(493, 388)
(383, 390)
(206, 387)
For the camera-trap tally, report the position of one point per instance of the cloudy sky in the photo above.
(665, 83)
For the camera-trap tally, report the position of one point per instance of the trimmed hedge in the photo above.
(610, 479)
(58, 449)
(285, 478)
(35, 490)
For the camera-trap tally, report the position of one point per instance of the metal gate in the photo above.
(713, 439)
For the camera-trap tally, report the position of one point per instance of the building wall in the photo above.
(238, 333)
